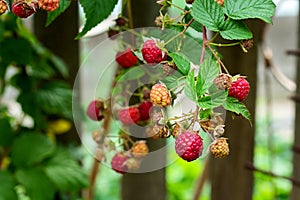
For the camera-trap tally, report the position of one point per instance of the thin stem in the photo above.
(214, 37)
(204, 44)
(170, 2)
(218, 59)
(224, 45)
(129, 13)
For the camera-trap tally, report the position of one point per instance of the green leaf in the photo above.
(7, 185)
(190, 86)
(211, 15)
(208, 71)
(55, 98)
(182, 62)
(31, 148)
(195, 24)
(63, 5)
(95, 12)
(133, 74)
(13, 47)
(213, 100)
(241, 9)
(38, 186)
(233, 105)
(65, 172)
(172, 80)
(7, 133)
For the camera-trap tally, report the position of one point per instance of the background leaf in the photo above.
(6, 133)
(65, 173)
(233, 105)
(211, 15)
(182, 62)
(190, 87)
(7, 186)
(31, 148)
(208, 71)
(63, 5)
(95, 12)
(241, 9)
(38, 186)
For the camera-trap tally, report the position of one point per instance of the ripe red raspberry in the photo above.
(129, 116)
(94, 110)
(3, 7)
(49, 5)
(189, 146)
(126, 58)
(152, 54)
(239, 89)
(160, 95)
(144, 109)
(118, 163)
(24, 9)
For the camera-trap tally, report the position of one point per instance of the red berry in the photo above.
(118, 163)
(152, 54)
(129, 116)
(239, 89)
(126, 58)
(49, 5)
(189, 146)
(24, 9)
(94, 111)
(144, 109)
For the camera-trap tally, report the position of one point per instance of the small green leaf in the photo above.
(38, 186)
(65, 172)
(241, 9)
(95, 12)
(133, 74)
(190, 86)
(213, 100)
(7, 133)
(172, 80)
(233, 105)
(7, 186)
(55, 98)
(205, 113)
(31, 148)
(211, 15)
(208, 71)
(182, 62)
(63, 5)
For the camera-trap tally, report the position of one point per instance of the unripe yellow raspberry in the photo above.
(220, 148)
(160, 95)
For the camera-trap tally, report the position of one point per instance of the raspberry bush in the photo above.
(178, 60)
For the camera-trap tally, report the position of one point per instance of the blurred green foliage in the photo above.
(33, 166)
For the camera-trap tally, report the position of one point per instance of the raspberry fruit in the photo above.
(219, 148)
(118, 163)
(129, 116)
(3, 7)
(94, 110)
(24, 9)
(239, 89)
(189, 146)
(189, 1)
(160, 95)
(113, 33)
(126, 58)
(139, 149)
(49, 5)
(161, 131)
(220, 2)
(133, 164)
(144, 109)
(176, 130)
(169, 69)
(121, 21)
(152, 54)
(247, 44)
(223, 81)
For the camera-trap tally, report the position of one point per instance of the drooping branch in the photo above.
(250, 166)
